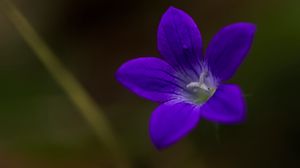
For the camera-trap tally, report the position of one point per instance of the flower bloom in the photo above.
(187, 83)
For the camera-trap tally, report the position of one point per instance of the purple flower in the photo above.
(188, 84)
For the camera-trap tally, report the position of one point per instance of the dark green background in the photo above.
(40, 127)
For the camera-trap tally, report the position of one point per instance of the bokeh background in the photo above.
(41, 128)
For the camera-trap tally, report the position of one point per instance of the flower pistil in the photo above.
(203, 89)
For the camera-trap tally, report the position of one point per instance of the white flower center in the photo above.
(203, 89)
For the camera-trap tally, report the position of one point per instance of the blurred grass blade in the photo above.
(78, 95)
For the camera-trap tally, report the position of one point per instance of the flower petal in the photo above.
(226, 106)
(172, 121)
(228, 49)
(179, 41)
(149, 77)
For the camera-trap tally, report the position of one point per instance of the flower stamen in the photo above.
(203, 89)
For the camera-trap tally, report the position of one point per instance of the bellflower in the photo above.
(188, 84)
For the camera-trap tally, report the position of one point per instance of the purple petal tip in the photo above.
(249, 27)
(172, 121)
(172, 8)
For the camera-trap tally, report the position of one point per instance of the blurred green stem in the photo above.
(71, 86)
